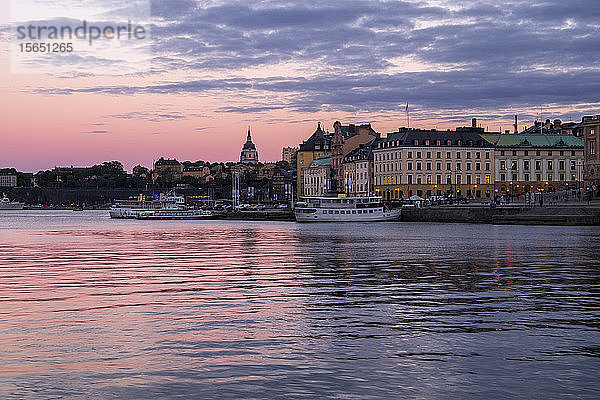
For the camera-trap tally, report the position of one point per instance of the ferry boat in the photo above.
(168, 206)
(175, 214)
(6, 204)
(344, 209)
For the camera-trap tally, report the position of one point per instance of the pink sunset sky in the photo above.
(215, 68)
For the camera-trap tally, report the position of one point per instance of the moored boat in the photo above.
(344, 209)
(7, 204)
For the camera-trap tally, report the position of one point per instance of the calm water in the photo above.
(98, 308)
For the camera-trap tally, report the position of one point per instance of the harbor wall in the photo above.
(551, 215)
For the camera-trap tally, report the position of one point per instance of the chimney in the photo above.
(474, 123)
(516, 124)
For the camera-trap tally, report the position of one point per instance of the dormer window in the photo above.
(448, 142)
(416, 142)
(426, 142)
(438, 142)
(459, 142)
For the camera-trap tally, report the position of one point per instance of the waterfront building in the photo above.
(282, 185)
(357, 168)
(249, 153)
(288, 154)
(345, 139)
(316, 146)
(433, 163)
(591, 139)
(545, 162)
(318, 177)
(266, 171)
(8, 180)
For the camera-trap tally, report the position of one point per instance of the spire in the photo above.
(249, 139)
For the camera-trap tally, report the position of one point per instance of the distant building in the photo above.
(249, 153)
(346, 138)
(288, 154)
(8, 180)
(140, 171)
(591, 139)
(266, 171)
(318, 177)
(532, 162)
(358, 170)
(282, 185)
(166, 168)
(316, 146)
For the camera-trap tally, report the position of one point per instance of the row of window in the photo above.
(514, 165)
(418, 166)
(409, 154)
(396, 179)
(538, 177)
(348, 211)
(537, 152)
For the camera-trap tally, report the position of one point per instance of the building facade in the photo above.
(316, 146)
(532, 162)
(345, 139)
(358, 171)
(288, 154)
(249, 153)
(591, 139)
(433, 163)
(8, 180)
(318, 177)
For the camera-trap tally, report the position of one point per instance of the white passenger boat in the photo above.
(175, 214)
(168, 206)
(6, 204)
(344, 209)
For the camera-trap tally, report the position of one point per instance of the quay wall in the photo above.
(557, 215)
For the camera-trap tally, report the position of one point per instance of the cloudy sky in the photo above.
(209, 69)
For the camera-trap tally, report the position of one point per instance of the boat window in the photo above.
(353, 211)
(324, 212)
(337, 212)
(371, 211)
(330, 212)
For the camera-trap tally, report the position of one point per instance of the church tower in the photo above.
(249, 153)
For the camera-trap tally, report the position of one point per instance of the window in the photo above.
(428, 179)
(537, 153)
(409, 179)
(468, 155)
(538, 165)
(448, 142)
(428, 166)
(501, 152)
(487, 155)
(438, 166)
(468, 179)
(514, 152)
(526, 165)
(592, 132)
(409, 166)
(458, 166)
(561, 166)
(419, 180)
(562, 153)
(458, 179)
(438, 154)
(416, 142)
(514, 177)
(448, 166)
(478, 155)
(448, 179)
(502, 164)
(458, 154)
(478, 179)
(418, 154)
(514, 165)
(561, 177)
(526, 152)
(438, 179)
(526, 177)
(538, 177)
(428, 154)
(488, 179)
(409, 154)
(448, 154)
(487, 166)
(418, 165)
(550, 177)
(468, 166)
(426, 142)
(502, 177)
(550, 165)
(550, 154)
(572, 165)
(592, 148)
(572, 153)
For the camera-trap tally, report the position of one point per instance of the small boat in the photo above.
(344, 209)
(77, 208)
(6, 204)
